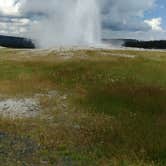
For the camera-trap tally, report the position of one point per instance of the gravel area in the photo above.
(19, 108)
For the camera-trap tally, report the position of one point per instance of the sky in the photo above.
(140, 19)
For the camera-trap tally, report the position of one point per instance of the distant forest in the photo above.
(16, 42)
(160, 44)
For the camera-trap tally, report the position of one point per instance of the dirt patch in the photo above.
(19, 108)
(32, 106)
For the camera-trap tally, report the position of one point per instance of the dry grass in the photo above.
(109, 110)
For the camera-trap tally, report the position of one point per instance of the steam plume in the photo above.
(65, 22)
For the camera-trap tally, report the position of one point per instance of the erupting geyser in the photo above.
(70, 23)
(85, 27)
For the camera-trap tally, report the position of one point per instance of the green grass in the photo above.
(116, 108)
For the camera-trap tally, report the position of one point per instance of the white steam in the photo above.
(64, 22)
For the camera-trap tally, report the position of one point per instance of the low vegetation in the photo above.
(110, 107)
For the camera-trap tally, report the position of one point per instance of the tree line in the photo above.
(156, 44)
(16, 42)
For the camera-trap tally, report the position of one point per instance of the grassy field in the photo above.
(110, 109)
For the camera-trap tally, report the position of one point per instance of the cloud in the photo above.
(11, 22)
(126, 15)
(155, 23)
(140, 35)
(116, 14)
(125, 19)
(9, 7)
(13, 26)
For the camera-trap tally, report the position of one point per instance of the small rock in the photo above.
(77, 127)
(64, 97)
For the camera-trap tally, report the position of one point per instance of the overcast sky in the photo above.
(141, 19)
